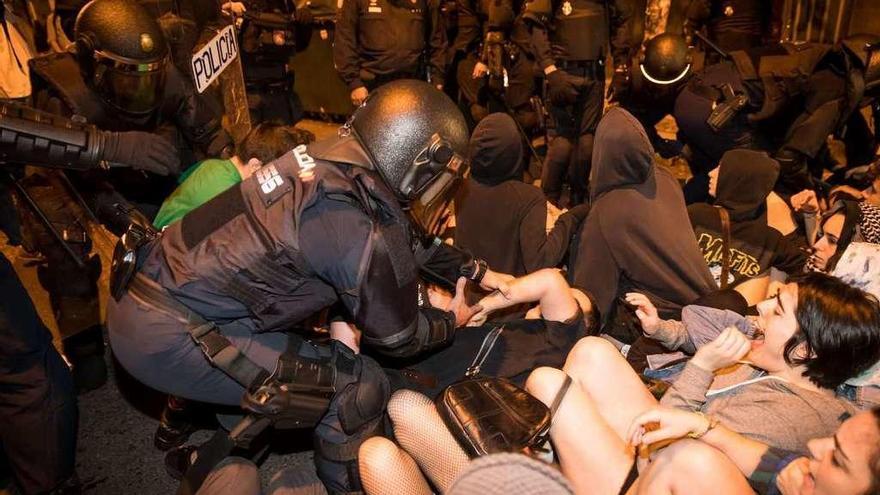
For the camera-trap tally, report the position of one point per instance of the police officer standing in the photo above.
(117, 77)
(378, 41)
(497, 67)
(569, 40)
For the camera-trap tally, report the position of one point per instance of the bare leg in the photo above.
(603, 374)
(593, 456)
(423, 435)
(691, 467)
(386, 469)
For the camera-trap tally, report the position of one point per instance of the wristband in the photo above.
(477, 270)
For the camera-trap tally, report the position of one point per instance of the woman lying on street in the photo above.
(817, 333)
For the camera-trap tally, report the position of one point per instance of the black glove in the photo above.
(563, 88)
(620, 84)
(141, 151)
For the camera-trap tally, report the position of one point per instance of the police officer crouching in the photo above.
(204, 314)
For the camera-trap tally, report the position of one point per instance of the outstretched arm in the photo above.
(546, 287)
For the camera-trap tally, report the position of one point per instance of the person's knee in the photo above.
(689, 461)
(544, 383)
(403, 404)
(591, 353)
(232, 475)
(377, 455)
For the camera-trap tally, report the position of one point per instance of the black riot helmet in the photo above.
(415, 137)
(122, 54)
(666, 59)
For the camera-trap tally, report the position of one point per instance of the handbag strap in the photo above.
(560, 395)
(483, 353)
(725, 246)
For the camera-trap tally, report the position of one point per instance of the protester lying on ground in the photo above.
(708, 456)
(740, 185)
(208, 178)
(637, 236)
(814, 335)
(521, 347)
(500, 218)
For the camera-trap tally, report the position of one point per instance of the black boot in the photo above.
(85, 351)
(175, 426)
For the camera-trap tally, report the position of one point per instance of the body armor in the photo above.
(262, 274)
(581, 29)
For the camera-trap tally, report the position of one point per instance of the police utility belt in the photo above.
(219, 351)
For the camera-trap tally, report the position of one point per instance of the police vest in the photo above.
(241, 249)
(580, 27)
(384, 27)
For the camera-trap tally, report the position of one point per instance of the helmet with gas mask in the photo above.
(415, 137)
(122, 54)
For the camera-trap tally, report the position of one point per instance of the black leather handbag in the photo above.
(489, 415)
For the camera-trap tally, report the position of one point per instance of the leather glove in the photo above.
(563, 88)
(141, 151)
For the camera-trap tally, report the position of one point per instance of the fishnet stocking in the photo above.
(423, 435)
(386, 469)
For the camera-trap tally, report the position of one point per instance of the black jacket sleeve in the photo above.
(469, 30)
(437, 43)
(622, 15)
(345, 48)
(543, 250)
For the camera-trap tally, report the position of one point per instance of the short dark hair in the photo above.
(268, 141)
(840, 327)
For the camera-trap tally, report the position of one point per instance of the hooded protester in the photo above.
(740, 184)
(499, 217)
(637, 237)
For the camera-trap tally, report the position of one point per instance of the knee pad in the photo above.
(356, 413)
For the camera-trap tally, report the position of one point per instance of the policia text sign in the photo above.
(214, 57)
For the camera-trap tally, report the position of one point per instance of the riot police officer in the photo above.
(786, 99)
(38, 420)
(323, 223)
(497, 68)
(378, 41)
(270, 32)
(569, 39)
(117, 77)
(730, 24)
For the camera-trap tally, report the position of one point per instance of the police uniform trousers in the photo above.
(570, 146)
(481, 100)
(38, 411)
(156, 348)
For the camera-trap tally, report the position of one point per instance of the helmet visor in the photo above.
(430, 210)
(131, 87)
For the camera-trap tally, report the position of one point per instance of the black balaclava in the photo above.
(496, 150)
(745, 179)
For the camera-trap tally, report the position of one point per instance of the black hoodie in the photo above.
(498, 217)
(745, 178)
(637, 236)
